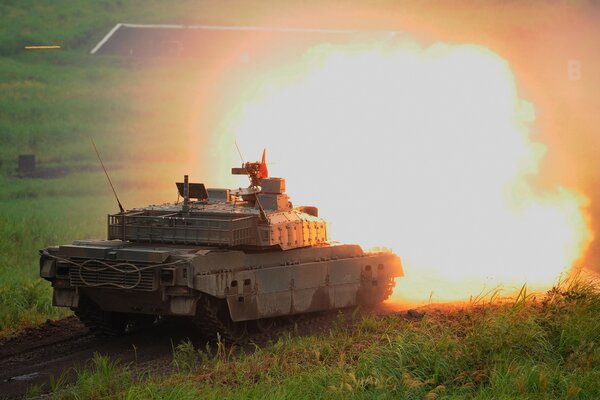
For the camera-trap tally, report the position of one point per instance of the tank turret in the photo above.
(259, 216)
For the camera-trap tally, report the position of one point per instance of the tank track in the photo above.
(209, 322)
(214, 321)
(100, 323)
(215, 324)
(389, 288)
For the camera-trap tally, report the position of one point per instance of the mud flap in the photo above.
(65, 298)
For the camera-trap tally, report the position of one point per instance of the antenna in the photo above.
(239, 152)
(107, 177)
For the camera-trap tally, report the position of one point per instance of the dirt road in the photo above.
(55, 349)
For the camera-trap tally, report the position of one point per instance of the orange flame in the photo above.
(423, 150)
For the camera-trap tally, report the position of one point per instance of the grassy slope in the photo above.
(548, 349)
(51, 102)
(26, 226)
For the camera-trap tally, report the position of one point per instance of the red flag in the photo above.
(263, 172)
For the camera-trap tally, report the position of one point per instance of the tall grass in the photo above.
(27, 225)
(51, 103)
(548, 349)
(101, 378)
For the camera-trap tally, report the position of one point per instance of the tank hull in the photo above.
(130, 278)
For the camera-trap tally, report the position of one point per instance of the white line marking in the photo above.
(105, 38)
(219, 28)
(240, 28)
(153, 26)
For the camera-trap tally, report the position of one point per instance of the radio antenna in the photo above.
(107, 177)
(239, 152)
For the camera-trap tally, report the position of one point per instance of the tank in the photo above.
(236, 261)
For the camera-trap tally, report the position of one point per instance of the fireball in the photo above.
(428, 151)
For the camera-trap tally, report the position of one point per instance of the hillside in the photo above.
(53, 102)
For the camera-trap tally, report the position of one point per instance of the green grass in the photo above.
(76, 24)
(26, 226)
(79, 25)
(55, 102)
(52, 102)
(530, 349)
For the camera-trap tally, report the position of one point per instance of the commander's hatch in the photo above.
(197, 191)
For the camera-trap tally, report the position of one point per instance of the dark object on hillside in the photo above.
(26, 164)
(238, 262)
(29, 168)
(50, 171)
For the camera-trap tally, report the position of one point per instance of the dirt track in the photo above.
(58, 348)
(53, 349)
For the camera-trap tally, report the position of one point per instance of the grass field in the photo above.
(52, 103)
(28, 225)
(547, 348)
(42, 115)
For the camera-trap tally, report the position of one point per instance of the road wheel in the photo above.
(263, 325)
(214, 321)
